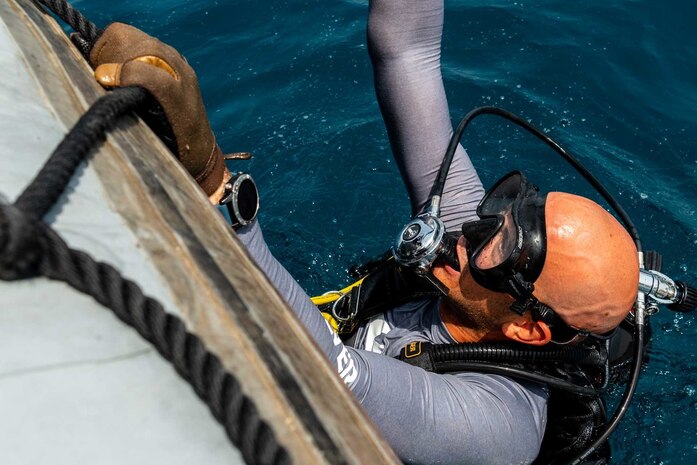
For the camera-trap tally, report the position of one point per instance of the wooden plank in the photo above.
(221, 294)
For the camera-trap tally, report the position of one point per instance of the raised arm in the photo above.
(404, 38)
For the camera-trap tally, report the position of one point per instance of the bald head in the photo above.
(591, 271)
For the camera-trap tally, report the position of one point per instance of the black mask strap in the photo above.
(519, 288)
(527, 302)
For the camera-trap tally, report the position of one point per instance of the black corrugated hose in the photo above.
(505, 353)
(29, 248)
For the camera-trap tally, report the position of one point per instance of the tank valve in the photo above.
(687, 298)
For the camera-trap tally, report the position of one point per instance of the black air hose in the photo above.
(503, 353)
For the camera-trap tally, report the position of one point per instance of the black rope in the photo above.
(29, 247)
(74, 18)
(87, 133)
(81, 44)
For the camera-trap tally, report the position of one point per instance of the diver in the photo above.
(527, 267)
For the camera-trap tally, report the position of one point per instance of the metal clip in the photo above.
(237, 156)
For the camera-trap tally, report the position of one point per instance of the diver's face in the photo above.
(450, 276)
(482, 306)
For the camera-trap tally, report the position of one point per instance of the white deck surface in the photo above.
(76, 385)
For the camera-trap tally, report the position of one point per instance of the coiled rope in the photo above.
(29, 248)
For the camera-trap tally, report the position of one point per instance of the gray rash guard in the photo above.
(428, 418)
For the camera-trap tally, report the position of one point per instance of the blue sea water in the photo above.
(614, 81)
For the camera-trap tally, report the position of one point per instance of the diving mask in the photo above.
(506, 247)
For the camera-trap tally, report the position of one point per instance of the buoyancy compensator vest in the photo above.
(576, 375)
(380, 285)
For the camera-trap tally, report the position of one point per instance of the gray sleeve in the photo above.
(427, 418)
(469, 418)
(404, 38)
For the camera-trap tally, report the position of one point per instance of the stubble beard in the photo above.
(471, 314)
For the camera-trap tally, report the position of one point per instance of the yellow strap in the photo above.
(332, 321)
(331, 296)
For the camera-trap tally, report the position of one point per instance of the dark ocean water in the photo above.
(613, 81)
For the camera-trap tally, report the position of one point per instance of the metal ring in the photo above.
(353, 314)
(339, 293)
(334, 314)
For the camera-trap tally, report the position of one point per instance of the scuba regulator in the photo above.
(424, 240)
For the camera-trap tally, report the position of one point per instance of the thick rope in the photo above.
(81, 44)
(28, 248)
(74, 18)
(87, 133)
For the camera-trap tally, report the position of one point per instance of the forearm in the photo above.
(404, 39)
(252, 238)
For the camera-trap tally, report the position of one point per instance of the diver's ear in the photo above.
(527, 331)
